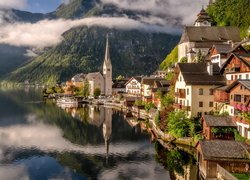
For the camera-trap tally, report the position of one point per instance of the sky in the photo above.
(42, 6)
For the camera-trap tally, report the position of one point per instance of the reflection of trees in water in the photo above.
(174, 160)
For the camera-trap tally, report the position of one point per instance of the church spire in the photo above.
(107, 53)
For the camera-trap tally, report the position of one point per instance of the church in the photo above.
(98, 80)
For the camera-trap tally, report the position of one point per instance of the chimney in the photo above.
(210, 68)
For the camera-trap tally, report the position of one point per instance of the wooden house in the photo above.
(231, 155)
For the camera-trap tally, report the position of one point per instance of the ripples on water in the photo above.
(39, 140)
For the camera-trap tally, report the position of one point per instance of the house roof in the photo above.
(78, 77)
(137, 78)
(210, 34)
(245, 58)
(220, 150)
(196, 74)
(119, 83)
(245, 83)
(219, 121)
(150, 81)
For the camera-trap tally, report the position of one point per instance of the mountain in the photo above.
(133, 52)
(82, 51)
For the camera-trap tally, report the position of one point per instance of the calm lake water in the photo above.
(39, 140)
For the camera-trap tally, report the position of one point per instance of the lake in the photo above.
(39, 140)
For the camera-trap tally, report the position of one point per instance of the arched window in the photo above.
(200, 91)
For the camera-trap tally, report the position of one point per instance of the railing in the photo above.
(224, 174)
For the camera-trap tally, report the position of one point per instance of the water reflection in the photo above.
(42, 141)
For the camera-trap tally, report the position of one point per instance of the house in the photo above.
(202, 36)
(162, 87)
(159, 74)
(133, 86)
(78, 80)
(194, 87)
(213, 127)
(219, 53)
(233, 156)
(237, 66)
(146, 88)
(239, 93)
(119, 86)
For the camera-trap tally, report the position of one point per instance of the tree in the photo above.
(120, 77)
(97, 92)
(178, 124)
(200, 57)
(184, 60)
(86, 88)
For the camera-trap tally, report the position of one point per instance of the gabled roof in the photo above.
(245, 83)
(219, 121)
(196, 74)
(210, 34)
(245, 58)
(137, 78)
(150, 81)
(119, 83)
(224, 150)
(78, 77)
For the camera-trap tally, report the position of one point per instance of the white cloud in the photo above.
(13, 172)
(48, 32)
(186, 10)
(9, 4)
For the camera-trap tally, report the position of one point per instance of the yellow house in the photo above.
(194, 87)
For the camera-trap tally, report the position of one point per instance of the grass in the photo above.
(242, 176)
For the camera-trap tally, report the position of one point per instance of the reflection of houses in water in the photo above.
(96, 115)
(107, 128)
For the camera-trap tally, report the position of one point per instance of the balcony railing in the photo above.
(182, 107)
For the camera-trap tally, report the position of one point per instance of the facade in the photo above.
(219, 53)
(239, 93)
(159, 74)
(194, 87)
(236, 67)
(133, 86)
(160, 86)
(95, 80)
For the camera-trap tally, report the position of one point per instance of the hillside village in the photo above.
(209, 85)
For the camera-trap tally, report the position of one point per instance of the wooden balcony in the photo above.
(182, 107)
(181, 93)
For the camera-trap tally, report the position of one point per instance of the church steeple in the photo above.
(107, 71)
(203, 19)
(107, 53)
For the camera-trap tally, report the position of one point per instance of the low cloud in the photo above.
(48, 32)
(13, 172)
(9, 4)
(185, 10)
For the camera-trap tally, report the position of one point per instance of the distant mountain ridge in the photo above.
(132, 52)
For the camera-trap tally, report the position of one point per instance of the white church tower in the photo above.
(107, 71)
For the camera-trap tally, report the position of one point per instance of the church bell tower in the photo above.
(107, 71)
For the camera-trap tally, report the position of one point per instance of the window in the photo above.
(211, 92)
(200, 91)
(200, 104)
(211, 104)
(232, 77)
(239, 76)
(187, 102)
(235, 77)
(247, 76)
(237, 98)
(187, 91)
(232, 97)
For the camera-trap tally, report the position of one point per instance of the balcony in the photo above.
(181, 93)
(182, 107)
